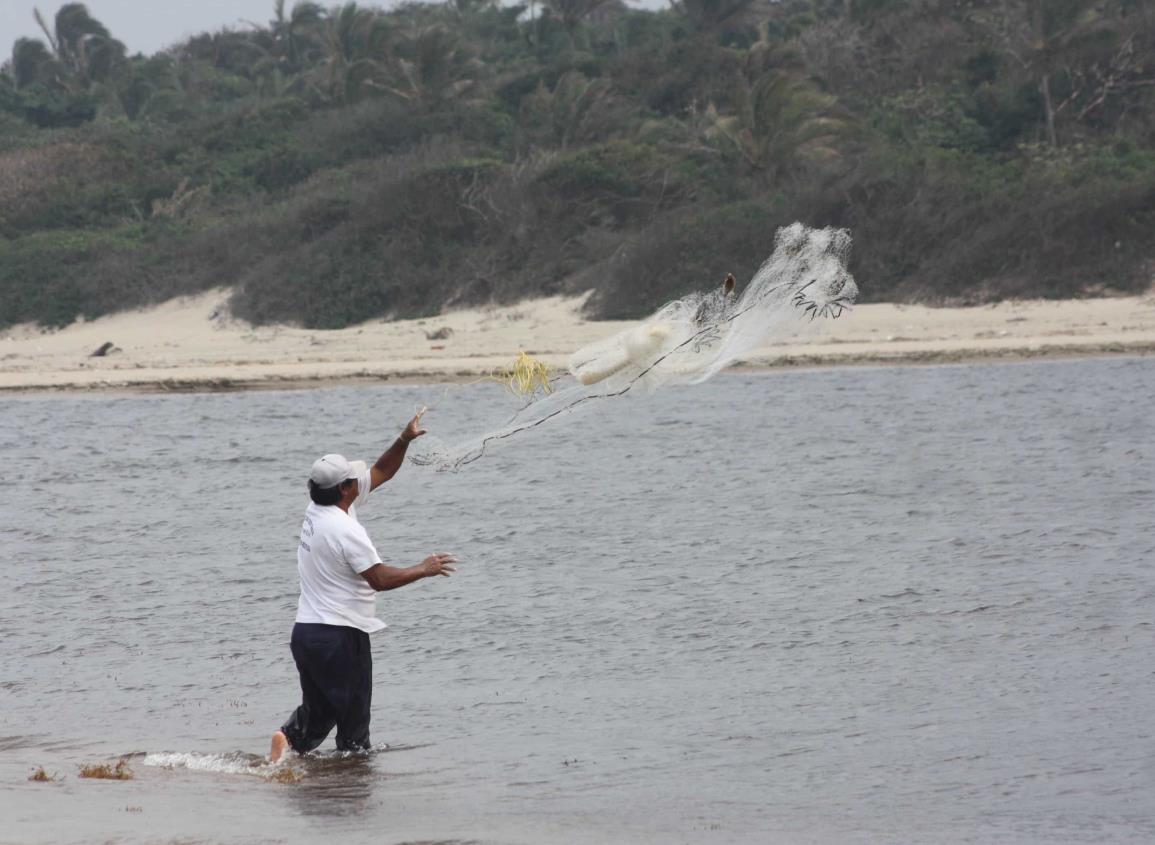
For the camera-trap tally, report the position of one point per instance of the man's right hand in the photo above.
(414, 430)
(439, 564)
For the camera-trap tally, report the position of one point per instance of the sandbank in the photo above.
(192, 343)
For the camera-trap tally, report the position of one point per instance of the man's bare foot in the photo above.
(278, 746)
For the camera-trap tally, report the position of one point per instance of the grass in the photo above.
(40, 776)
(108, 771)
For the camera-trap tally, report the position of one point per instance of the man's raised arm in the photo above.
(391, 459)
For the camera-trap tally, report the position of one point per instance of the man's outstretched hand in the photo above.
(439, 564)
(391, 459)
(414, 429)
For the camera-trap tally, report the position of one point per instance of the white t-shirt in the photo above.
(334, 550)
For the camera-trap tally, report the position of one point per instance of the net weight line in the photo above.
(833, 309)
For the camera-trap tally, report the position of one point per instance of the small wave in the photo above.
(291, 768)
(47, 652)
(907, 593)
(235, 763)
(11, 743)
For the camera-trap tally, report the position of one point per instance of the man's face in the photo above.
(349, 490)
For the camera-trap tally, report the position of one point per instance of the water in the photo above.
(841, 606)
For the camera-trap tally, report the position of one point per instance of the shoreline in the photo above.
(798, 363)
(186, 345)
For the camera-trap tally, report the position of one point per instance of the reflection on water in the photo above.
(335, 785)
(842, 606)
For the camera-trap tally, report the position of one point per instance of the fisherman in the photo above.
(341, 574)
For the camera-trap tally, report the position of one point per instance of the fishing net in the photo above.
(684, 342)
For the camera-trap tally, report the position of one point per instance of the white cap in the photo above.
(331, 470)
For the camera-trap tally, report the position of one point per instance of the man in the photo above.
(341, 574)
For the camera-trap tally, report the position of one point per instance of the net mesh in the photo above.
(686, 341)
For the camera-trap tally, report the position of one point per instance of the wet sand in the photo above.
(192, 344)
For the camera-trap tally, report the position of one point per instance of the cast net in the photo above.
(684, 342)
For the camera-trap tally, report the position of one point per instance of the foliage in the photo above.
(336, 164)
(676, 256)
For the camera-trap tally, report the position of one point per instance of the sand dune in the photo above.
(191, 343)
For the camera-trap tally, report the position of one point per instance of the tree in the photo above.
(141, 81)
(294, 35)
(570, 112)
(82, 45)
(32, 63)
(355, 46)
(782, 120)
(1053, 38)
(573, 12)
(433, 65)
(709, 15)
(61, 86)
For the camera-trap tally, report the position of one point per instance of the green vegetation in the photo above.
(339, 164)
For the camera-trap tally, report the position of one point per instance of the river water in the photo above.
(884, 605)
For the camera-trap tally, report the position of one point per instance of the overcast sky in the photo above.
(146, 26)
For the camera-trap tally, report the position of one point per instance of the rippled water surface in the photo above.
(861, 605)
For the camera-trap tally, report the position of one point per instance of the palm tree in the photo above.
(708, 15)
(32, 63)
(782, 119)
(573, 12)
(565, 113)
(433, 65)
(293, 33)
(355, 44)
(141, 81)
(82, 45)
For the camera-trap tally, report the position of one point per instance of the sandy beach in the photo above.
(192, 343)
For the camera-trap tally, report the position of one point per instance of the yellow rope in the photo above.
(527, 377)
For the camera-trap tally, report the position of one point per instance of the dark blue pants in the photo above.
(336, 669)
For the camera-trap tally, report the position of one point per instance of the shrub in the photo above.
(55, 277)
(612, 183)
(691, 250)
(49, 109)
(931, 117)
(280, 166)
(950, 228)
